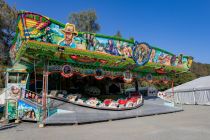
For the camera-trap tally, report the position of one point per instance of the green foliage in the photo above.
(183, 78)
(51, 50)
(200, 69)
(85, 21)
(7, 30)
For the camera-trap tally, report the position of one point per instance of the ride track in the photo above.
(99, 108)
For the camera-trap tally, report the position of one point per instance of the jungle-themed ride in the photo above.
(54, 61)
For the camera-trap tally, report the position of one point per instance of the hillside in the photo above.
(200, 69)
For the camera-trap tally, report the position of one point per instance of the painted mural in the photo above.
(43, 29)
(40, 28)
(28, 112)
(69, 37)
(161, 57)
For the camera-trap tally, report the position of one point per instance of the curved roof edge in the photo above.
(96, 34)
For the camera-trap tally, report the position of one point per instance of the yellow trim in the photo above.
(20, 26)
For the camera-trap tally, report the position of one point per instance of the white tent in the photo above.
(193, 92)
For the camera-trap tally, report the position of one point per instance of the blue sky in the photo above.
(178, 26)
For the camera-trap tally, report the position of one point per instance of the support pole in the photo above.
(35, 76)
(44, 92)
(136, 86)
(172, 87)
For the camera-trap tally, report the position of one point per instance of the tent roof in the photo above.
(197, 84)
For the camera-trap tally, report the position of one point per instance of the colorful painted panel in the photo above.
(141, 53)
(11, 109)
(28, 112)
(114, 47)
(43, 31)
(161, 57)
(40, 28)
(164, 58)
(14, 92)
(85, 41)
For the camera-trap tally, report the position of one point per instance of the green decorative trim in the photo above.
(16, 32)
(15, 38)
(34, 48)
(108, 37)
(20, 52)
(56, 22)
(156, 48)
(150, 68)
(48, 50)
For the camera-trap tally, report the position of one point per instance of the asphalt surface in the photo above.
(191, 124)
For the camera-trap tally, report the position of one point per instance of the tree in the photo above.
(118, 34)
(8, 17)
(7, 31)
(85, 21)
(200, 69)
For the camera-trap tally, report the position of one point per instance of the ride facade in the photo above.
(52, 60)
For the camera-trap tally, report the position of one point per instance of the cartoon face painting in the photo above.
(69, 33)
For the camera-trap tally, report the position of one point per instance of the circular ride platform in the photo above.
(68, 113)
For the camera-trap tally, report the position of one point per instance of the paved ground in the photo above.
(191, 124)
